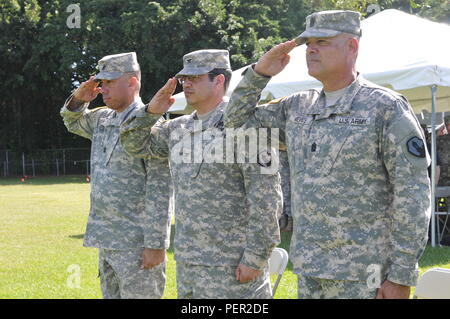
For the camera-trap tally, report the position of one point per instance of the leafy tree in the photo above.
(42, 58)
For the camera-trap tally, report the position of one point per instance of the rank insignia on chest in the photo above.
(416, 146)
(219, 125)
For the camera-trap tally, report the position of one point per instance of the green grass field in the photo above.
(41, 235)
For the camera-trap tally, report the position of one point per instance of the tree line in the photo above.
(48, 47)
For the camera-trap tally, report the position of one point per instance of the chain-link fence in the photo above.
(67, 161)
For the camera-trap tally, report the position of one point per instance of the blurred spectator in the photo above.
(438, 159)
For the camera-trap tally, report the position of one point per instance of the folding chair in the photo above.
(277, 264)
(434, 284)
(441, 192)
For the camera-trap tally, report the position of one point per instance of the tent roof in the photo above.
(397, 50)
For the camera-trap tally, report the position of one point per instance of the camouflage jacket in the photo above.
(129, 196)
(360, 192)
(225, 213)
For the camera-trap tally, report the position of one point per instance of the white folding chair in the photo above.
(277, 264)
(434, 284)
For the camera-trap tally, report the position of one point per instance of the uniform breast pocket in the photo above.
(98, 142)
(296, 131)
(346, 149)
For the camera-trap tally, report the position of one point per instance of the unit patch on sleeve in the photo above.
(416, 147)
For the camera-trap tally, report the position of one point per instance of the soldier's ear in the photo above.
(220, 78)
(354, 45)
(133, 81)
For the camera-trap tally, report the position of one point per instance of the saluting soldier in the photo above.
(360, 190)
(226, 213)
(129, 218)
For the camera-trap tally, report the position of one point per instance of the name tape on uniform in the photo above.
(352, 121)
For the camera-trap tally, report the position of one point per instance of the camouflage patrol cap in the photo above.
(203, 61)
(114, 66)
(327, 24)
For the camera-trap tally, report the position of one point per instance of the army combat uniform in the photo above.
(360, 190)
(225, 213)
(129, 204)
(129, 197)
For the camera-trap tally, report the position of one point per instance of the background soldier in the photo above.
(443, 160)
(360, 190)
(129, 196)
(226, 213)
(438, 158)
(443, 149)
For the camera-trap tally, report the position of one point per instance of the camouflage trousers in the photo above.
(219, 282)
(122, 278)
(317, 288)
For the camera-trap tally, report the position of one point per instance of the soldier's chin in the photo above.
(109, 103)
(190, 101)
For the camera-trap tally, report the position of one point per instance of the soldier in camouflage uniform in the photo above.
(443, 149)
(225, 213)
(360, 190)
(129, 218)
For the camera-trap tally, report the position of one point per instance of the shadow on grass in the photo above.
(80, 236)
(44, 180)
(435, 256)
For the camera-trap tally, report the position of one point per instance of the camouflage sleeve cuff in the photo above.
(142, 113)
(244, 99)
(80, 109)
(403, 276)
(252, 260)
(156, 244)
(254, 79)
(141, 119)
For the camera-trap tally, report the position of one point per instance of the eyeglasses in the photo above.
(192, 78)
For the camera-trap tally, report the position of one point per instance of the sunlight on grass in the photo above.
(41, 238)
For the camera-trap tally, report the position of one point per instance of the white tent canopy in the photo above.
(397, 50)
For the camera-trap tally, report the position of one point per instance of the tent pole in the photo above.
(433, 164)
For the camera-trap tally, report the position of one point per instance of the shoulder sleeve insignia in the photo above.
(416, 147)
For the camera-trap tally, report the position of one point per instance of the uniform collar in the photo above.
(342, 106)
(119, 118)
(214, 120)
